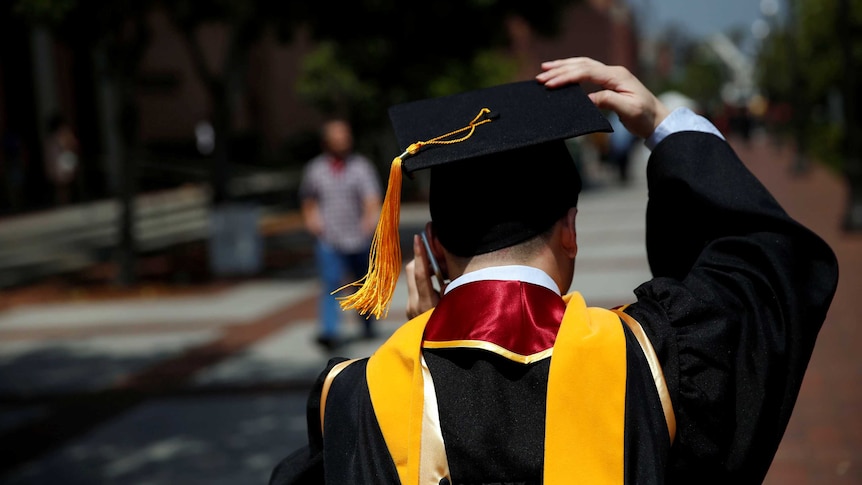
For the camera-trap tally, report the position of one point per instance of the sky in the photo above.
(698, 17)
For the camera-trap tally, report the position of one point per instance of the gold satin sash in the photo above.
(578, 401)
(397, 387)
(327, 383)
(585, 421)
(586, 405)
(655, 369)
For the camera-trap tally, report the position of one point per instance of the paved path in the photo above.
(823, 443)
(208, 385)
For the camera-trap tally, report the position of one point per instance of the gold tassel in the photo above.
(384, 260)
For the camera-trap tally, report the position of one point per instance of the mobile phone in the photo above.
(435, 266)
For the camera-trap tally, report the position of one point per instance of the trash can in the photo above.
(235, 244)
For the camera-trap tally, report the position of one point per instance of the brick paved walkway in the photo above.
(823, 444)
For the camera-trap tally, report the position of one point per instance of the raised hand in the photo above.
(639, 110)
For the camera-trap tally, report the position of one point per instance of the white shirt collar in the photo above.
(527, 274)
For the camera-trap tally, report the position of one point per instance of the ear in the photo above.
(437, 249)
(568, 234)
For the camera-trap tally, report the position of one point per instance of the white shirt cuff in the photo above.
(681, 119)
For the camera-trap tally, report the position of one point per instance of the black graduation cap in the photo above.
(520, 114)
(513, 178)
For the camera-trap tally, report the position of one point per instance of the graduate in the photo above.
(505, 376)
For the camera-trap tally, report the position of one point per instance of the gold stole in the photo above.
(585, 412)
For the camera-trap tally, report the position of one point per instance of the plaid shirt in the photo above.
(341, 194)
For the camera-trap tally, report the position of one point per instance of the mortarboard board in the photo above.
(508, 142)
(521, 114)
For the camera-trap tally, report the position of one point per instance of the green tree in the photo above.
(371, 54)
(701, 76)
(809, 63)
(376, 53)
(698, 72)
(704, 77)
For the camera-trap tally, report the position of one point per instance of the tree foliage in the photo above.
(245, 23)
(705, 76)
(701, 75)
(369, 54)
(802, 64)
(116, 35)
(375, 53)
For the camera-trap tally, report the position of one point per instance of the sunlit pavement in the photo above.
(823, 443)
(209, 386)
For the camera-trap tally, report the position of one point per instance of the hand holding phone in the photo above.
(435, 266)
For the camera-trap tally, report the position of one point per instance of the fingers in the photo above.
(421, 295)
(412, 289)
(639, 110)
(412, 292)
(581, 69)
(422, 275)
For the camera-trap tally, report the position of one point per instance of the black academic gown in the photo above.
(739, 293)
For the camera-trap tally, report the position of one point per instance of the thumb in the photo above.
(609, 99)
(636, 114)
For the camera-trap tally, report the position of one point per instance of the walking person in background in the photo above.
(340, 198)
(620, 144)
(61, 159)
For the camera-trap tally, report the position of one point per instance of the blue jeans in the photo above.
(335, 267)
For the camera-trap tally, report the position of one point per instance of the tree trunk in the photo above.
(118, 58)
(222, 114)
(119, 167)
(220, 173)
(128, 191)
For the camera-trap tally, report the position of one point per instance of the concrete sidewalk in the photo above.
(209, 386)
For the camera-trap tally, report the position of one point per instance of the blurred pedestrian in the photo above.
(340, 198)
(62, 152)
(620, 144)
(502, 377)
